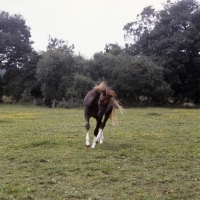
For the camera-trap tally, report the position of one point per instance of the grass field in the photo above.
(153, 153)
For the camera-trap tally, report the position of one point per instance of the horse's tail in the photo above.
(113, 118)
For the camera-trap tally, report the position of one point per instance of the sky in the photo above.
(88, 24)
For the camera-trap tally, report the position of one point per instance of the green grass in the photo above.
(153, 153)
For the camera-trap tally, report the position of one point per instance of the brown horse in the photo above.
(98, 103)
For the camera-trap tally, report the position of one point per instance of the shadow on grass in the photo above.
(44, 143)
(6, 121)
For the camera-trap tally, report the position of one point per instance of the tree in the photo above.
(18, 81)
(174, 43)
(101, 66)
(2, 72)
(15, 48)
(1, 87)
(31, 87)
(81, 85)
(82, 82)
(134, 77)
(55, 71)
(143, 25)
(113, 49)
(12, 83)
(15, 41)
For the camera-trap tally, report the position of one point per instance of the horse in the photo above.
(99, 103)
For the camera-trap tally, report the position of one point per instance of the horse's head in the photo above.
(105, 96)
(103, 103)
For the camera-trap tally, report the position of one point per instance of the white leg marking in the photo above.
(94, 142)
(87, 143)
(98, 136)
(101, 137)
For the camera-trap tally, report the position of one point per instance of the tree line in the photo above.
(160, 61)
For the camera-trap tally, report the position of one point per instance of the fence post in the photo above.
(34, 101)
(43, 101)
(63, 103)
(54, 103)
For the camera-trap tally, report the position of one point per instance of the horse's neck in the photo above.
(96, 95)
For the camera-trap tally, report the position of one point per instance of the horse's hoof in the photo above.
(101, 140)
(87, 146)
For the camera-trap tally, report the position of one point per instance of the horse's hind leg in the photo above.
(87, 126)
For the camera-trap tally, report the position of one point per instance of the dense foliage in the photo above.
(160, 60)
(14, 39)
(171, 37)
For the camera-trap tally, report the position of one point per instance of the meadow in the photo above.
(153, 153)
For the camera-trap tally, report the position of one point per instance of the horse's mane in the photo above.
(102, 87)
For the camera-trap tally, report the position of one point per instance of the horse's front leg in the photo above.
(98, 124)
(87, 126)
(100, 137)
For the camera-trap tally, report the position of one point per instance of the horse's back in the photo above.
(91, 103)
(91, 97)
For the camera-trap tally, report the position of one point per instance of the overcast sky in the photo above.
(88, 24)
